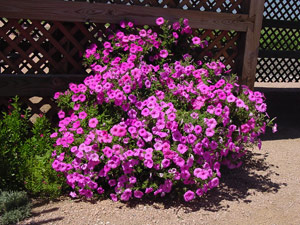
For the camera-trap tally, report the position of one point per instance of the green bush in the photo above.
(14, 207)
(25, 154)
(14, 130)
(38, 175)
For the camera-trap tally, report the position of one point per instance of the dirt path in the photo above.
(264, 191)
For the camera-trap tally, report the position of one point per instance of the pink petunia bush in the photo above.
(153, 118)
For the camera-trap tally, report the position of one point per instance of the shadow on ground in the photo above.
(236, 185)
(283, 103)
(39, 203)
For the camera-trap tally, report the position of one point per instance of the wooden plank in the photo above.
(279, 54)
(252, 43)
(281, 24)
(112, 13)
(36, 85)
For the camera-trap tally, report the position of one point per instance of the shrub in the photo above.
(14, 206)
(38, 175)
(14, 130)
(25, 154)
(153, 117)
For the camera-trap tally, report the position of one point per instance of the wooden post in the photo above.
(252, 37)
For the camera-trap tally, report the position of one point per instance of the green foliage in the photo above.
(14, 130)
(25, 154)
(38, 175)
(14, 207)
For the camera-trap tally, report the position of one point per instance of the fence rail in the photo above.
(107, 13)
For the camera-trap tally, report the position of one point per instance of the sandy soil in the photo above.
(264, 191)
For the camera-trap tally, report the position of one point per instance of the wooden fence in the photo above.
(279, 53)
(41, 41)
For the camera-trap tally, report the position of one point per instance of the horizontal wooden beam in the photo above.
(279, 54)
(36, 85)
(113, 13)
(281, 24)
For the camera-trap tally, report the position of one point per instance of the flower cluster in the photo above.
(150, 120)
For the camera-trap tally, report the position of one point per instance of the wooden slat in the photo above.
(36, 85)
(281, 24)
(279, 54)
(112, 13)
(252, 43)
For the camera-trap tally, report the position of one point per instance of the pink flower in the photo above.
(240, 103)
(79, 130)
(176, 136)
(82, 115)
(126, 195)
(175, 35)
(160, 21)
(245, 128)
(179, 161)
(196, 40)
(189, 195)
(194, 115)
(138, 194)
(155, 113)
(176, 25)
(100, 190)
(61, 114)
(56, 95)
(209, 132)
(199, 192)
(112, 182)
(198, 129)
(145, 112)
(201, 173)
(182, 148)
(171, 116)
(274, 128)
(73, 194)
(261, 108)
(143, 33)
(191, 138)
(165, 163)
(163, 53)
(148, 163)
(211, 123)
(53, 135)
(214, 183)
(132, 180)
(149, 190)
(93, 122)
(114, 197)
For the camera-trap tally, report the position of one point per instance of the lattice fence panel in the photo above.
(222, 45)
(273, 38)
(278, 70)
(44, 47)
(226, 6)
(280, 42)
(40, 47)
(282, 10)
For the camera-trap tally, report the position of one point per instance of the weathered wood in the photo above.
(112, 13)
(36, 85)
(252, 43)
(279, 54)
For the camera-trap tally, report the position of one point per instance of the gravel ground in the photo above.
(263, 191)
